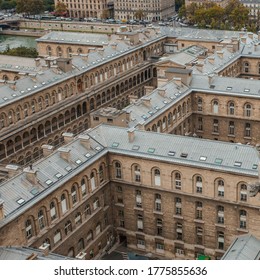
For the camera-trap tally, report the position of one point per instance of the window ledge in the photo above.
(119, 204)
(232, 135)
(215, 133)
(157, 212)
(178, 217)
(198, 246)
(139, 208)
(178, 241)
(220, 251)
(247, 137)
(220, 225)
(199, 221)
(244, 230)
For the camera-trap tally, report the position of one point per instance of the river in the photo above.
(16, 41)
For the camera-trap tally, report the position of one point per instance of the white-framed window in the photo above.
(96, 204)
(215, 126)
(220, 240)
(158, 202)
(78, 220)
(231, 108)
(220, 215)
(243, 192)
(28, 229)
(242, 219)
(68, 227)
(138, 198)
(87, 210)
(98, 229)
(198, 214)
(92, 181)
(83, 187)
(200, 123)
(118, 170)
(159, 247)
(157, 177)
(198, 184)
(200, 102)
(57, 236)
(140, 243)
(140, 223)
(179, 233)
(247, 130)
(159, 225)
(215, 107)
(101, 173)
(221, 190)
(177, 180)
(74, 195)
(41, 219)
(231, 128)
(199, 235)
(53, 211)
(137, 173)
(248, 110)
(178, 206)
(64, 207)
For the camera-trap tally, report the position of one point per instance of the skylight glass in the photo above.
(202, 158)
(238, 163)
(68, 168)
(78, 161)
(135, 147)
(171, 153)
(115, 144)
(246, 90)
(87, 155)
(254, 166)
(218, 160)
(151, 150)
(98, 148)
(229, 88)
(58, 175)
(184, 155)
(20, 201)
(48, 182)
(34, 191)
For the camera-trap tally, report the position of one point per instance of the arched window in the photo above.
(243, 192)
(101, 173)
(41, 219)
(64, 206)
(177, 180)
(83, 187)
(92, 181)
(118, 170)
(231, 108)
(198, 184)
(200, 104)
(157, 177)
(215, 107)
(137, 173)
(220, 188)
(74, 195)
(28, 229)
(248, 110)
(78, 220)
(53, 211)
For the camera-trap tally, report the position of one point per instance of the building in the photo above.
(145, 10)
(85, 9)
(221, 3)
(245, 247)
(176, 196)
(253, 7)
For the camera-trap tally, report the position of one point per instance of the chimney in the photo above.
(84, 56)
(12, 84)
(37, 62)
(230, 48)
(91, 50)
(45, 249)
(30, 174)
(55, 69)
(148, 89)
(85, 141)
(243, 40)
(177, 81)
(64, 153)
(12, 170)
(161, 92)
(33, 76)
(47, 150)
(68, 137)
(146, 101)
(131, 135)
(211, 59)
(161, 81)
(219, 47)
(2, 215)
(250, 35)
(101, 51)
(220, 54)
(140, 125)
(65, 64)
(210, 77)
(114, 46)
(241, 34)
(199, 67)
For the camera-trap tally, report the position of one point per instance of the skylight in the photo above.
(246, 90)
(48, 182)
(218, 160)
(254, 166)
(34, 191)
(135, 147)
(58, 175)
(238, 163)
(68, 168)
(78, 161)
(184, 155)
(87, 155)
(20, 201)
(151, 150)
(202, 158)
(115, 144)
(171, 153)
(229, 88)
(98, 148)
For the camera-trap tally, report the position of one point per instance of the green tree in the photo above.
(30, 7)
(179, 4)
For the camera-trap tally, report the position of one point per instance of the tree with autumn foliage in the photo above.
(60, 9)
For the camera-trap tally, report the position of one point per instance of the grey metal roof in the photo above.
(19, 188)
(23, 253)
(245, 247)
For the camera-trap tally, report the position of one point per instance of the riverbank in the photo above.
(24, 32)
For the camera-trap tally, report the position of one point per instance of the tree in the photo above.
(30, 7)
(139, 14)
(60, 9)
(179, 4)
(105, 14)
